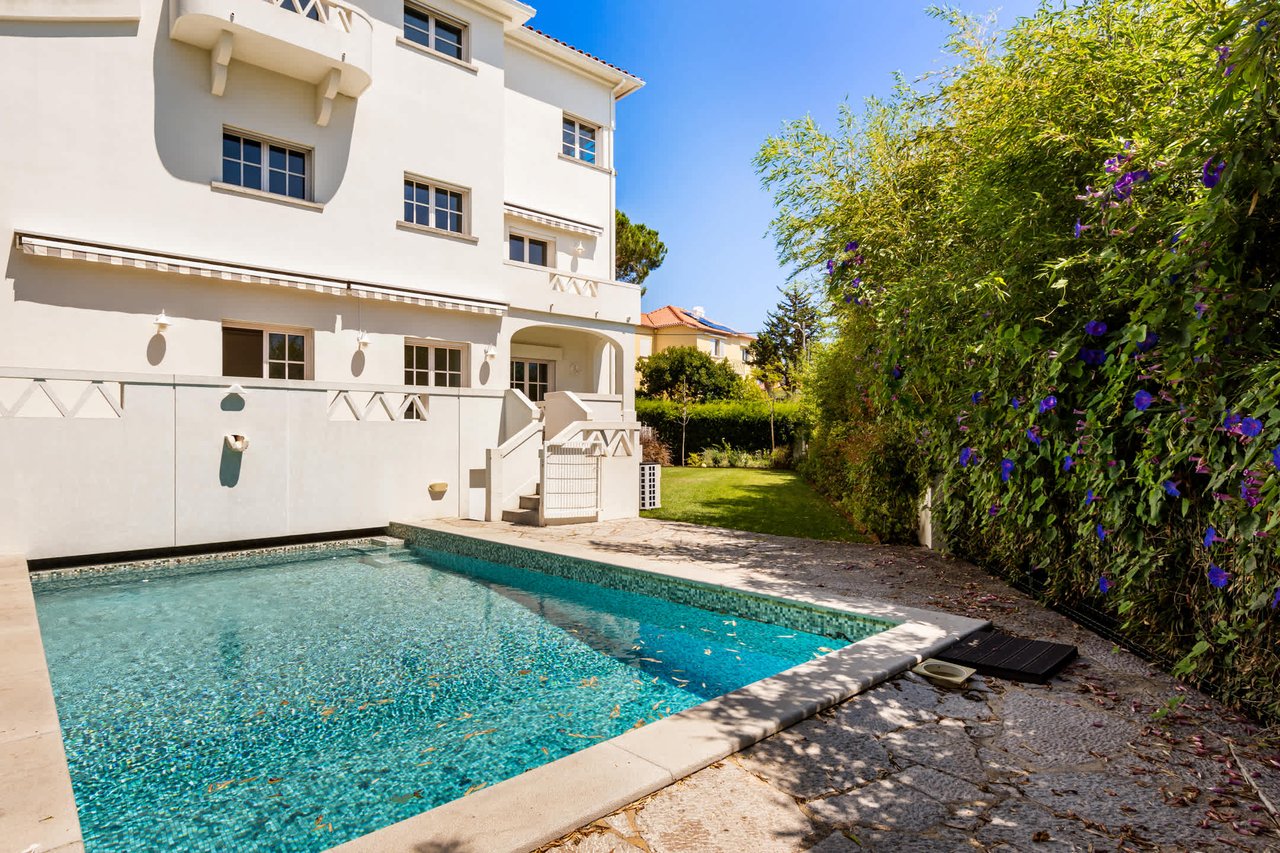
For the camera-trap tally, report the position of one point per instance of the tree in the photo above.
(639, 251)
(663, 373)
(789, 332)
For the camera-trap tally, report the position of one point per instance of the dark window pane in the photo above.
(449, 39)
(569, 137)
(276, 182)
(275, 346)
(422, 214)
(252, 177)
(231, 172)
(276, 157)
(408, 190)
(588, 134)
(253, 151)
(297, 186)
(517, 374)
(570, 126)
(455, 359)
(408, 377)
(297, 348)
(242, 352)
(408, 357)
(231, 146)
(275, 370)
(588, 156)
(538, 253)
(408, 211)
(515, 248)
(297, 162)
(295, 371)
(569, 150)
(416, 27)
(422, 193)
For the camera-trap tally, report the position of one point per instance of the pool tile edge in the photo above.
(37, 804)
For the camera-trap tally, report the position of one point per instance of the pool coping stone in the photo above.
(37, 804)
(550, 801)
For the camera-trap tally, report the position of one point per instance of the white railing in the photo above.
(563, 282)
(332, 12)
(606, 438)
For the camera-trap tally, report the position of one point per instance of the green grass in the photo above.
(754, 499)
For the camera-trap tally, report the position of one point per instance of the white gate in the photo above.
(571, 480)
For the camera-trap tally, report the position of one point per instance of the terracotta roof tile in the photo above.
(671, 315)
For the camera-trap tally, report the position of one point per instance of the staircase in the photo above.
(528, 511)
(384, 551)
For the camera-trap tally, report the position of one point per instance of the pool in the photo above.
(294, 702)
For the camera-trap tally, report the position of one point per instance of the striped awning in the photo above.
(557, 222)
(74, 250)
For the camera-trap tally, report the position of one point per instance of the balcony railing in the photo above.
(333, 12)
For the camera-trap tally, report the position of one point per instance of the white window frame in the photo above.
(524, 387)
(433, 186)
(433, 17)
(576, 149)
(435, 346)
(308, 158)
(308, 344)
(527, 236)
(717, 348)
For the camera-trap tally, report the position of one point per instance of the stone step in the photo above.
(521, 516)
(530, 501)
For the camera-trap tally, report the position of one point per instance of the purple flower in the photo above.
(1047, 404)
(1251, 427)
(1260, 26)
(1211, 174)
(1210, 536)
(1067, 463)
(1275, 600)
(1102, 533)
(1224, 53)
(851, 246)
(1104, 585)
(993, 510)
(1148, 342)
(966, 454)
(1006, 469)
(1217, 577)
(1090, 497)
(1171, 488)
(1093, 357)
(1124, 186)
(1080, 229)
(1096, 328)
(1033, 436)
(1275, 457)
(848, 297)
(976, 397)
(897, 372)
(1200, 309)
(831, 267)
(1250, 488)
(1142, 400)
(1015, 402)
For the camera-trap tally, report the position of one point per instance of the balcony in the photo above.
(327, 43)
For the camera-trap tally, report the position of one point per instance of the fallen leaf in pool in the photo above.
(617, 709)
(639, 724)
(651, 660)
(466, 715)
(524, 672)
(475, 788)
(590, 682)
(275, 779)
(327, 711)
(473, 734)
(404, 798)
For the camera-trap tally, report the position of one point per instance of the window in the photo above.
(534, 378)
(257, 164)
(437, 366)
(717, 348)
(433, 206)
(432, 32)
(579, 140)
(527, 250)
(259, 353)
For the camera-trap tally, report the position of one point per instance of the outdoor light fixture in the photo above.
(162, 322)
(362, 339)
(490, 352)
(580, 249)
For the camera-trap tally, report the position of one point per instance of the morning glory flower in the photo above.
(1218, 577)
(1015, 402)
(1047, 404)
(1231, 422)
(993, 510)
(976, 397)
(1275, 457)
(1261, 25)
(1102, 533)
(1171, 488)
(1251, 427)
(1148, 342)
(1033, 437)
(1211, 174)
(1142, 400)
(1210, 536)
(1275, 601)
(1067, 463)
(1096, 328)
(1104, 585)
(1200, 309)
(851, 246)
(966, 454)
(897, 372)
(1093, 357)
(1089, 497)
(1080, 229)
(1006, 469)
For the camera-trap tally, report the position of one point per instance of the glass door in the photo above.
(534, 378)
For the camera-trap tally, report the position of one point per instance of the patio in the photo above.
(1078, 764)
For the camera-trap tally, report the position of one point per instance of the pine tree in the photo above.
(790, 330)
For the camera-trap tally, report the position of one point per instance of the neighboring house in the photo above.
(670, 326)
(288, 267)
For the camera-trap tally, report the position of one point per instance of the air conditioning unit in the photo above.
(650, 486)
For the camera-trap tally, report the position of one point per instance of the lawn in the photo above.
(759, 500)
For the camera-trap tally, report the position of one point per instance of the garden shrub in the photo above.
(727, 457)
(1055, 273)
(653, 451)
(742, 425)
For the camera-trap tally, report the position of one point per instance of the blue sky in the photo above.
(720, 78)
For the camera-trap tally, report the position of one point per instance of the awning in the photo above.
(74, 250)
(557, 222)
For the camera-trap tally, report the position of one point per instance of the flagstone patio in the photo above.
(1078, 764)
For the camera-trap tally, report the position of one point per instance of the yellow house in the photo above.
(671, 326)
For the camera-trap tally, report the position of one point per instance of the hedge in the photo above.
(745, 426)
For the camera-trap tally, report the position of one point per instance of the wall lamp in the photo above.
(162, 322)
(490, 352)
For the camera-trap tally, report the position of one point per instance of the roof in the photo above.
(671, 315)
(580, 50)
(622, 81)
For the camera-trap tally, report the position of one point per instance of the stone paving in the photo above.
(1079, 764)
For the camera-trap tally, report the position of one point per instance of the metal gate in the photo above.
(571, 480)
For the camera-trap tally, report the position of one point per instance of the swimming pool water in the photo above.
(296, 704)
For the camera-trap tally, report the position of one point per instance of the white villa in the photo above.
(281, 268)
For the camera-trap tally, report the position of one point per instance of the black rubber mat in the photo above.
(1012, 658)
